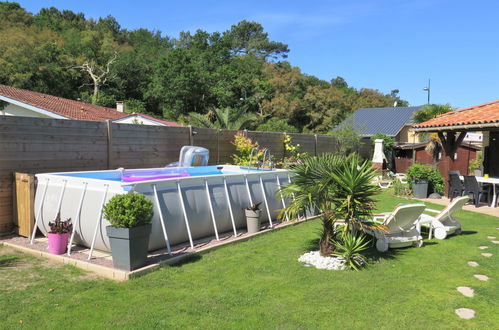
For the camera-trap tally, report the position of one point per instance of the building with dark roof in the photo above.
(25, 103)
(393, 121)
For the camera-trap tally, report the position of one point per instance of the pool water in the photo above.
(156, 173)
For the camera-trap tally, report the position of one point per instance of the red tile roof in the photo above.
(166, 122)
(482, 114)
(60, 106)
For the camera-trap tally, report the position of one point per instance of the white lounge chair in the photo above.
(444, 223)
(401, 227)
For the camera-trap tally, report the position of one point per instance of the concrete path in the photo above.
(485, 209)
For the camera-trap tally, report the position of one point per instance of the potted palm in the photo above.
(59, 234)
(252, 213)
(130, 218)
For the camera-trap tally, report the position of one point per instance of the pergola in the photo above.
(452, 127)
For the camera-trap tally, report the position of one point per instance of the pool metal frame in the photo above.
(158, 204)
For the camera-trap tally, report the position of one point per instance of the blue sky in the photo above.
(383, 44)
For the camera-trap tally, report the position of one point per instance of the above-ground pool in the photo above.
(189, 203)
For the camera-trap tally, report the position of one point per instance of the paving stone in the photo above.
(466, 291)
(465, 313)
(483, 247)
(491, 237)
(481, 277)
(495, 242)
(487, 254)
(473, 263)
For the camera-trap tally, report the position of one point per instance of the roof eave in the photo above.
(32, 108)
(482, 127)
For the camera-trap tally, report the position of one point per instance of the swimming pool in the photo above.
(189, 203)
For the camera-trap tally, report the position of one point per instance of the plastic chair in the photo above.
(474, 190)
(456, 187)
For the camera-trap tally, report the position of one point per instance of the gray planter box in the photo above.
(252, 221)
(420, 188)
(129, 246)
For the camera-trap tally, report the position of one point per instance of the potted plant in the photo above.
(59, 234)
(418, 175)
(475, 166)
(423, 177)
(130, 218)
(253, 218)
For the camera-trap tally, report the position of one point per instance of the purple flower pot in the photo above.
(58, 243)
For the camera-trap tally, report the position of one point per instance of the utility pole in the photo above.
(427, 89)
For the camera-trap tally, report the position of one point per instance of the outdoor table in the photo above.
(492, 181)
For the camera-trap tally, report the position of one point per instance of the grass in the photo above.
(260, 284)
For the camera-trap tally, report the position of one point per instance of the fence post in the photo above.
(109, 130)
(283, 147)
(315, 136)
(218, 146)
(191, 136)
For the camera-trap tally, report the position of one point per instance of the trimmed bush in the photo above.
(128, 210)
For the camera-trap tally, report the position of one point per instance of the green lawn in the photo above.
(260, 284)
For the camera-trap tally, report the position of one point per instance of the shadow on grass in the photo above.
(8, 261)
(467, 232)
(370, 253)
(194, 257)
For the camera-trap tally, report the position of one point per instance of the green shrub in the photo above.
(401, 189)
(128, 210)
(349, 247)
(419, 172)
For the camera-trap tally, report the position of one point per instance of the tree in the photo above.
(99, 74)
(227, 118)
(336, 187)
(275, 124)
(348, 137)
(339, 82)
(248, 38)
(430, 111)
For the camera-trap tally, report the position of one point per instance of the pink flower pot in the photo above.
(58, 243)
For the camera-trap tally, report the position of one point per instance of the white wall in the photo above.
(138, 120)
(15, 110)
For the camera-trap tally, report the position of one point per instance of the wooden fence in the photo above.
(38, 145)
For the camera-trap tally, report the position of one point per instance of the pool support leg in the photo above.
(282, 197)
(77, 217)
(211, 209)
(230, 207)
(98, 222)
(266, 202)
(185, 214)
(162, 221)
(39, 212)
(59, 203)
(248, 190)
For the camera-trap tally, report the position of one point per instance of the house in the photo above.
(404, 155)
(452, 128)
(393, 121)
(25, 103)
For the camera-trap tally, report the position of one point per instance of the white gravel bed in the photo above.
(315, 259)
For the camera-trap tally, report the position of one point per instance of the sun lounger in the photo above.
(399, 228)
(444, 223)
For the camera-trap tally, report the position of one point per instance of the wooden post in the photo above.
(110, 164)
(25, 203)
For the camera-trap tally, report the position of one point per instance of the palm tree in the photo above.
(226, 118)
(335, 186)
